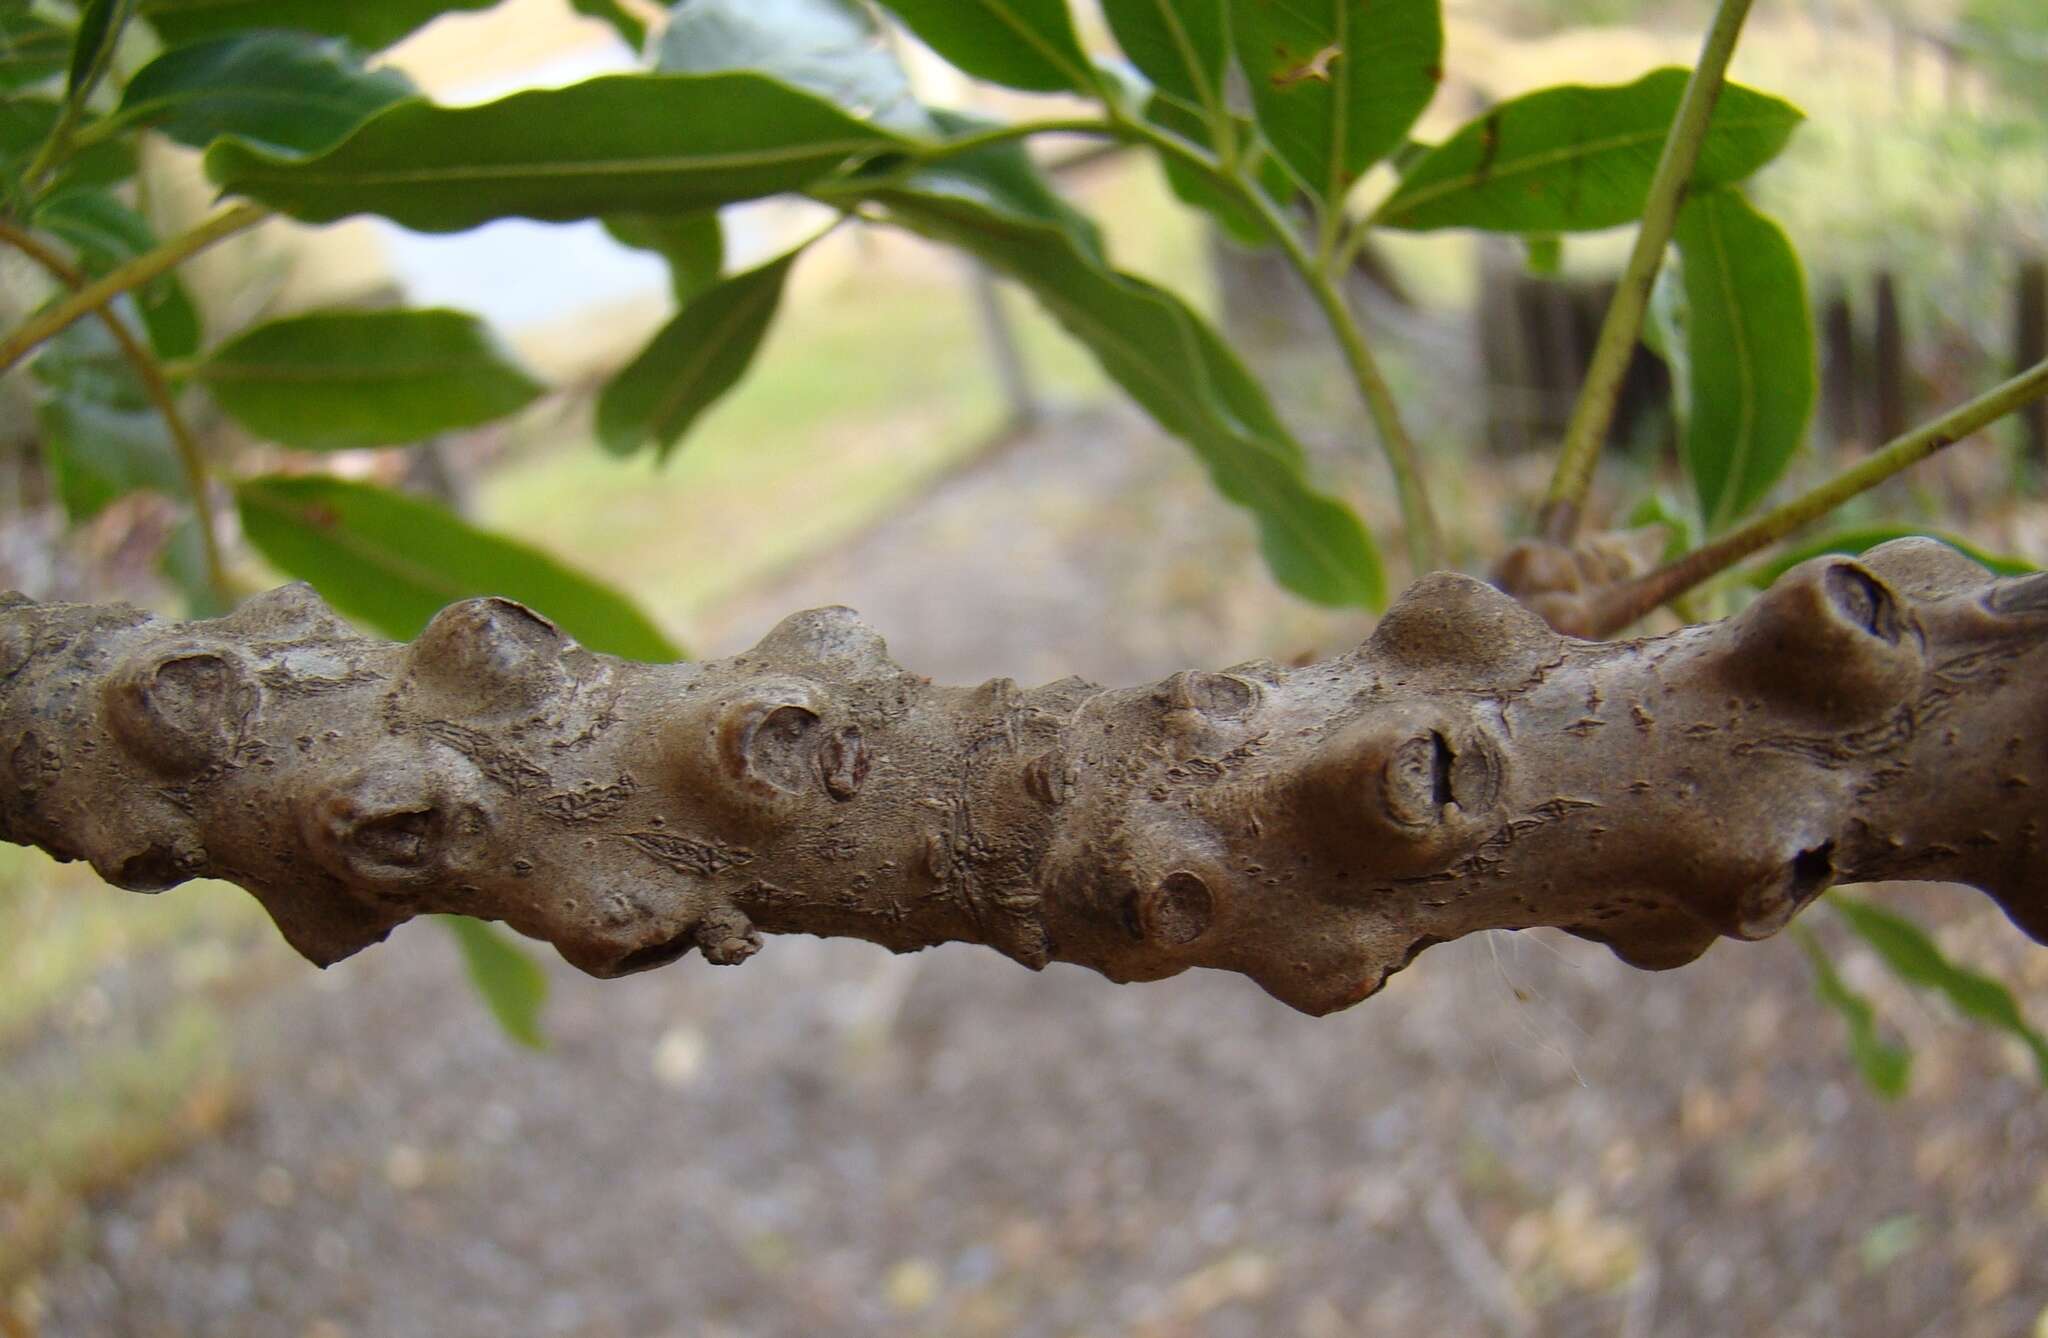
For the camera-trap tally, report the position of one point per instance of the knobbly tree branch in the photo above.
(1467, 768)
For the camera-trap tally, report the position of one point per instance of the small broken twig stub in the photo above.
(1467, 768)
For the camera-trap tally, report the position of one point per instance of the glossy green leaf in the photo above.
(370, 24)
(511, 982)
(1198, 190)
(628, 26)
(621, 144)
(1914, 957)
(341, 379)
(100, 436)
(1164, 356)
(1885, 1066)
(1577, 157)
(392, 562)
(1862, 538)
(1336, 84)
(291, 92)
(1027, 44)
(1749, 353)
(92, 46)
(692, 244)
(691, 362)
(103, 233)
(31, 49)
(1182, 46)
(833, 48)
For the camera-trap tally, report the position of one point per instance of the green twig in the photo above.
(937, 151)
(1623, 604)
(125, 278)
(58, 145)
(1425, 545)
(1419, 518)
(191, 460)
(1593, 413)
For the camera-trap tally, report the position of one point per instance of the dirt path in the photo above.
(1521, 1136)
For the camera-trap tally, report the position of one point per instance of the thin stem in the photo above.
(1424, 541)
(58, 146)
(191, 461)
(1593, 413)
(1425, 544)
(1355, 239)
(1016, 130)
(125, 278)
(1623, 604)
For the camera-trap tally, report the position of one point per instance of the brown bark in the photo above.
(1467, 768)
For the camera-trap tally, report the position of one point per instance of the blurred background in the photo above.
(201, 1134)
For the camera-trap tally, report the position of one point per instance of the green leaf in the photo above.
(1543, 254)
(1886, 1067)
(1164, 356)
(693, 361)
(1749, 353)
(97, 453)
(393, 562)
(1576, 158)
(99, 28)
(1664, 335)
(100, 436)
(1003, 178)
(370, 24)
(1681, 530)
(1027, 44)
(26, 122)
(341, 379)
(289, 92)
(1182, 46)
(31, 49)
(512, 983)
(104, 233)
(631, 30)
(1198, 190)
(1336, 84)
(833, 48)
(622, 144)
(1914, 958)
(183, 564)
(1862, 538)
(85, 360)
(692, 244)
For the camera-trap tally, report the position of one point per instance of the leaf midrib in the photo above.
(1745, 436)
(768, 288)
(289, 175)
(1514, 167)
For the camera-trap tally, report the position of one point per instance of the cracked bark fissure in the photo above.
(1466, 768)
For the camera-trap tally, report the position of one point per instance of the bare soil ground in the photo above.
(1521, 1136)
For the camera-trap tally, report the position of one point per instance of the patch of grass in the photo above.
(91, 1126)
(870, 385)
(60, 926)
(80, 1113)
